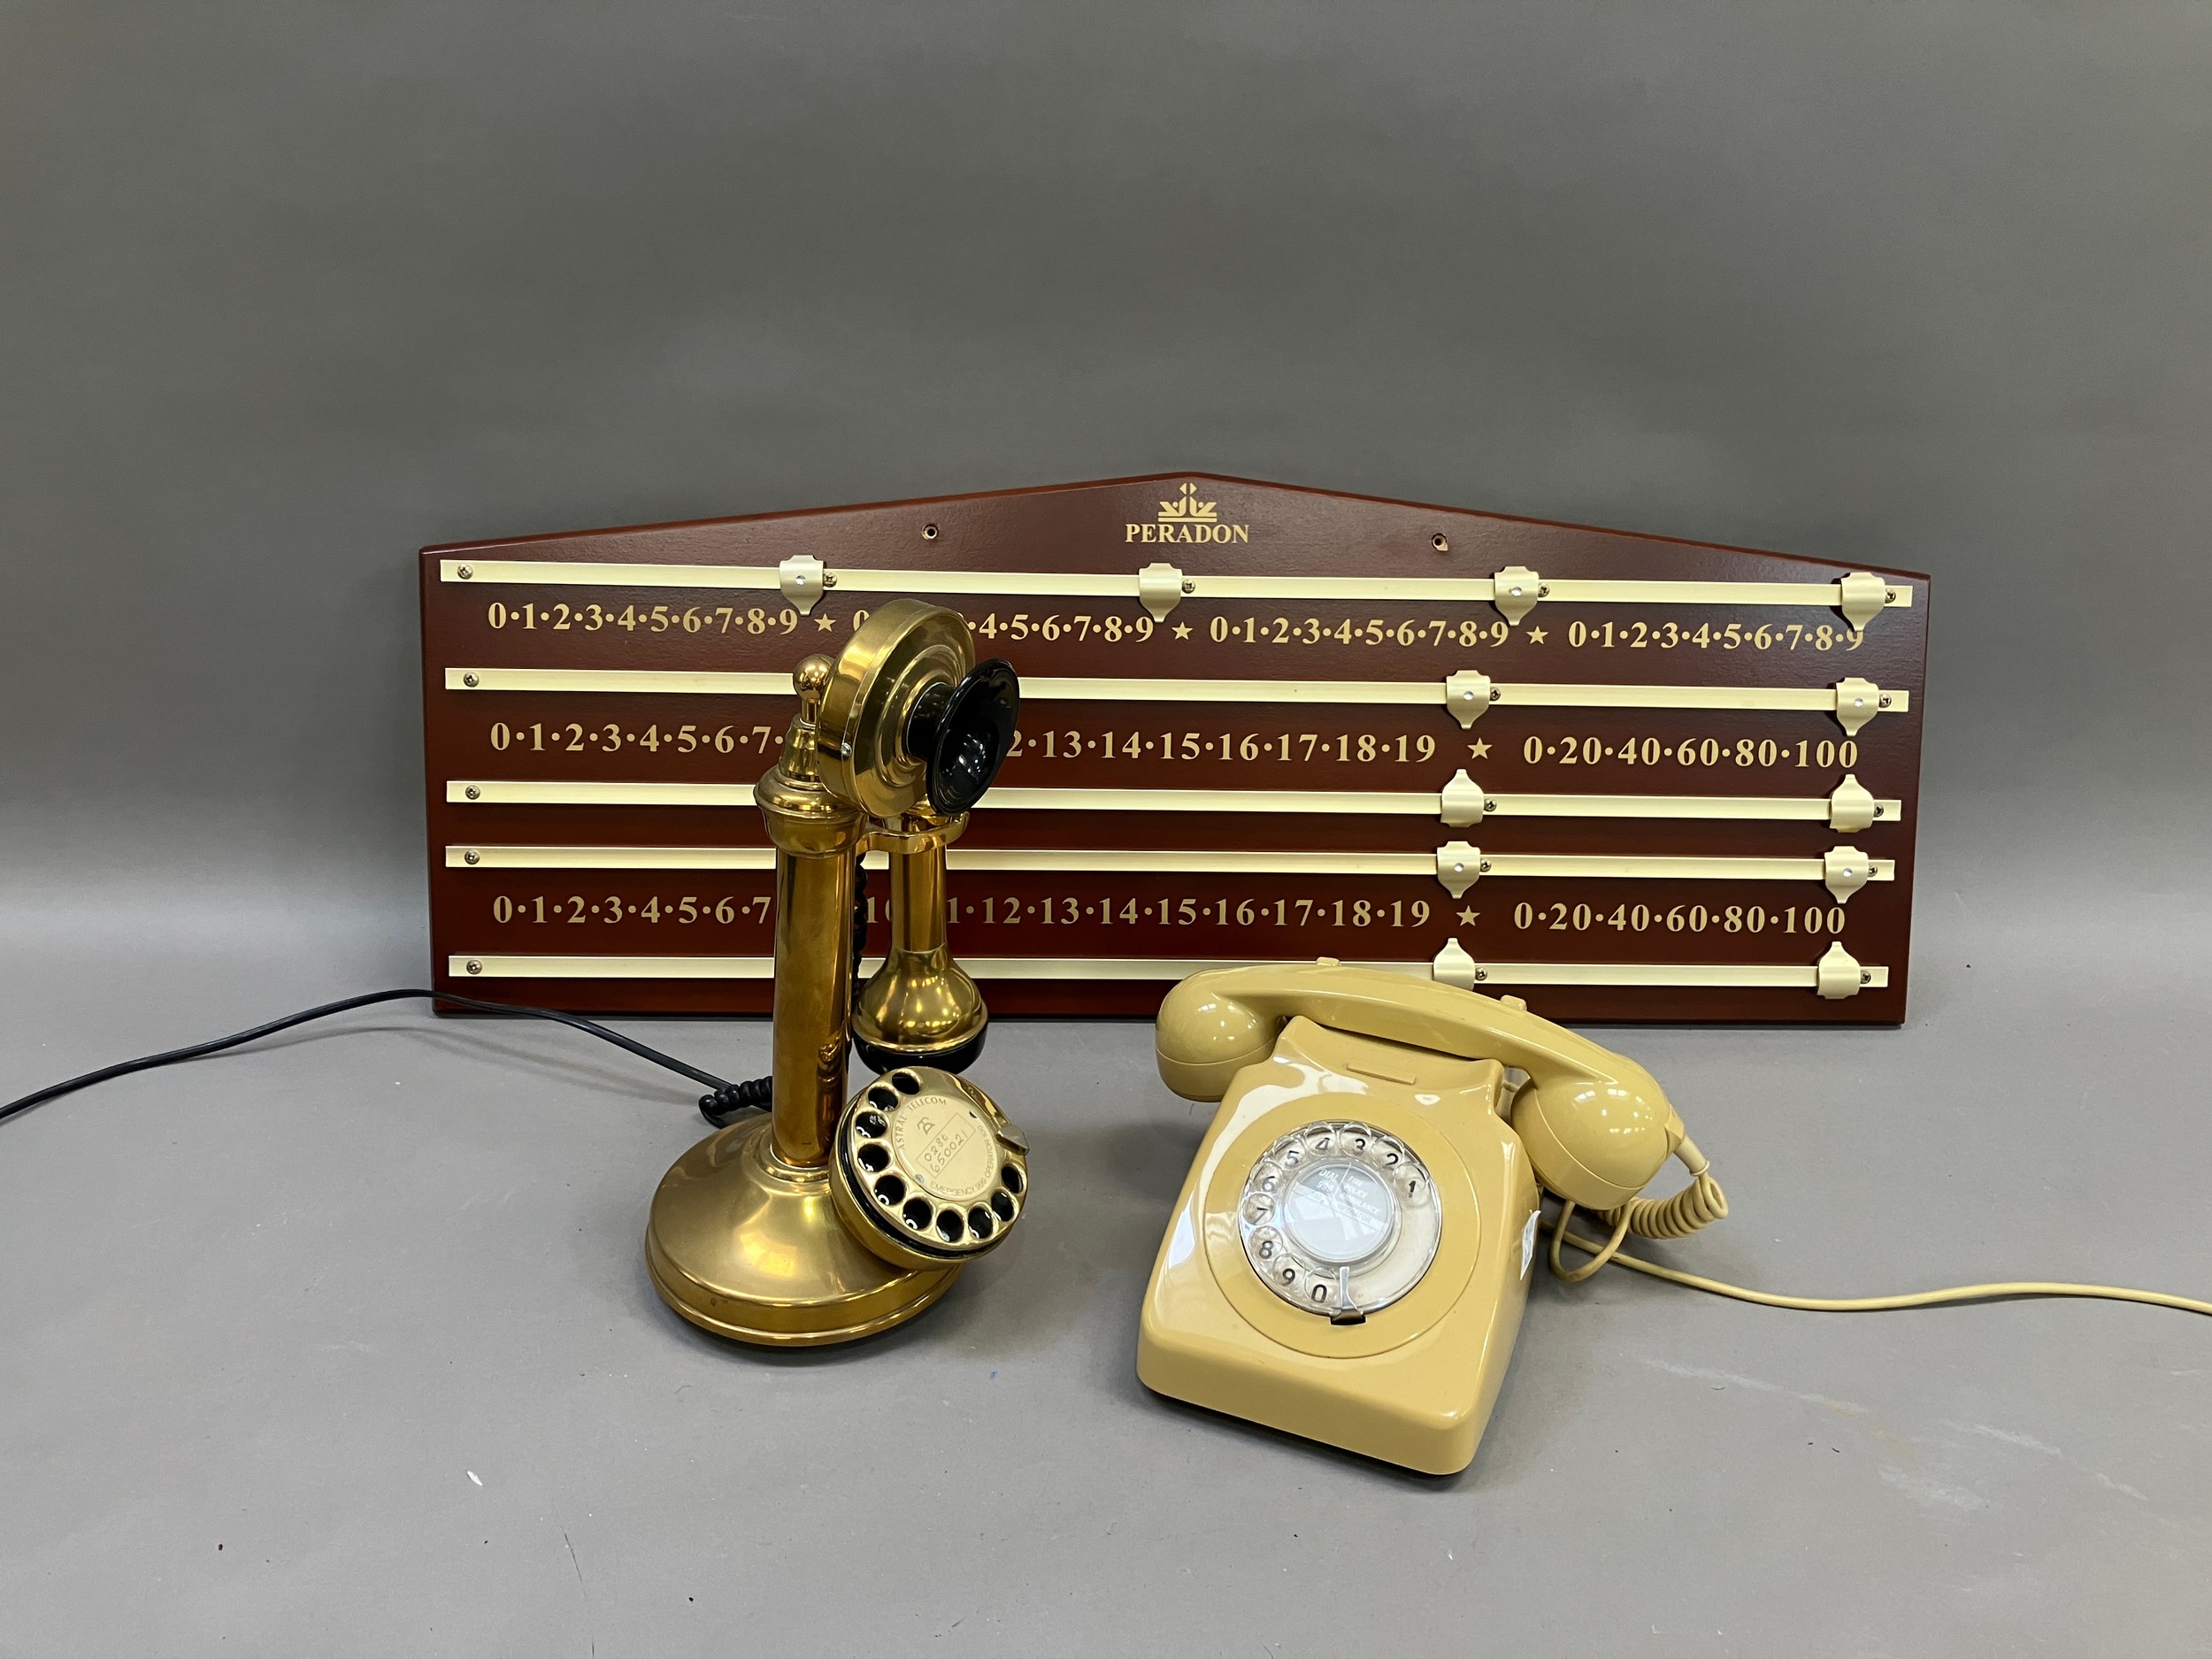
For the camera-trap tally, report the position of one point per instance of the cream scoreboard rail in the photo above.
(1466, 695)
(1461, 804)
(1843, 870)
(1159, 587)
(1252, 716)
(1836, 975)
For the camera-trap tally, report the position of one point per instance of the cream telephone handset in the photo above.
(1351, 1254)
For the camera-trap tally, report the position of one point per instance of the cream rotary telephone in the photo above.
(1350, 1254)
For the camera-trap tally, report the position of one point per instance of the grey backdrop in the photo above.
(345, 1345)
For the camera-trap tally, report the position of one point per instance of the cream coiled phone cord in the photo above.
(1702, 1204)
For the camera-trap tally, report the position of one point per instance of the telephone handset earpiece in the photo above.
(1597, 1126)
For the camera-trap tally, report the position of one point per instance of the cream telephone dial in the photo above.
(1351, 1251)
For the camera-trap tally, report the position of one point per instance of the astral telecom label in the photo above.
(1187, 518)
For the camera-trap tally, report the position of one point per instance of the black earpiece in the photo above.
(961, 734)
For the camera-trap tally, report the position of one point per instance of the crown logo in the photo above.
(1185, 518)
(1186, 508)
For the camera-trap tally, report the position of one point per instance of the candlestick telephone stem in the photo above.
(845, 1214)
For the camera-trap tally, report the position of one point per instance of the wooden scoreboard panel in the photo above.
(1625, 777)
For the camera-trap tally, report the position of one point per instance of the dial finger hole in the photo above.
(883, 1097)
(872, 1124)
(1010, 1178)
(890, 1192)
(1338, 1192)
(906, 1083)
(918, 1211)
(980, 1223)
(951, 1226)
(1002, 1207)
(872, 1158)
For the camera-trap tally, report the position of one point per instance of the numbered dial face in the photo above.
(1340, 1219)
(935, 1164)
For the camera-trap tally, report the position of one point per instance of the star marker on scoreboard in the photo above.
(1182, 630)
(1467, 916)
(1536, 636)
(826, 622)
(1479, 748)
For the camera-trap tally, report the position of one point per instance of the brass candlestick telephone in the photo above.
(835, 1218)
(1350, 1254)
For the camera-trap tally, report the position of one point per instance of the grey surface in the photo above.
(287, 291)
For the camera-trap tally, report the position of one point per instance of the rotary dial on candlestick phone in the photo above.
(1351, 1254)
(836, 1217)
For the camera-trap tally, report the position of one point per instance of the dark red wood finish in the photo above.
(1291, 532)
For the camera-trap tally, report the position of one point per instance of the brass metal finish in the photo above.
(919, 1004)
(878, 677)
(760, 1231)
(747, 1246)
(815, 832)
(743, 1239)
(928, 1171)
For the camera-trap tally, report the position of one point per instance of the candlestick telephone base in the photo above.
(837, 1217)
(746, 1245)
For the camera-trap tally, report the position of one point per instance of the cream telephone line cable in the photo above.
(1701, 1202)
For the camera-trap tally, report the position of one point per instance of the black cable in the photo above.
(726, 1096)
